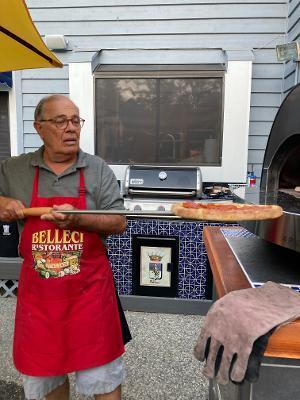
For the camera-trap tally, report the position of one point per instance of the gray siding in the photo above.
(293, 34)
(36, 84)
(167, 32)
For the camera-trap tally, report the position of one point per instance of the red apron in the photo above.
(66, 317)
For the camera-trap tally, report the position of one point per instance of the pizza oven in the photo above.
(281, 176)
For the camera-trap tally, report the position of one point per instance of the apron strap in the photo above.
(82, 188)
(35, 187)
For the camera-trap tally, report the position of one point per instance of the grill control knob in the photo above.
(137, 207)
(161, 208)
(162, 175)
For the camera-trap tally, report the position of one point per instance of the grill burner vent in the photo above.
(217, 191)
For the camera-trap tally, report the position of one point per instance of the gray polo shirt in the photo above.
(102, 190)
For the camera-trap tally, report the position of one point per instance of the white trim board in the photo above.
(235, 126)
(81, 88)
(16, 116)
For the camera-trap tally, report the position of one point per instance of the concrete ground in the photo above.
(159, 360)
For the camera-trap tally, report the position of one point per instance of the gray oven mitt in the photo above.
(235, 321)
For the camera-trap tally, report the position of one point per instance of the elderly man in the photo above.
(67, 317)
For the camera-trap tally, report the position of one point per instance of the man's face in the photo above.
(58, 140)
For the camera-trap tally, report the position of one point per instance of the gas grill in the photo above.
(156, 188)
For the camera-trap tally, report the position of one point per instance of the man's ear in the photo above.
(38, 127)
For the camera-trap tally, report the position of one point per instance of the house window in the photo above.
(159, 117)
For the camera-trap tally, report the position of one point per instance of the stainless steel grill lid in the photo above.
(157, 181)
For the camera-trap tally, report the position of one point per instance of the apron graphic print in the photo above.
(56, 253)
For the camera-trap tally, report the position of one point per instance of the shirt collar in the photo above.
(37, 159)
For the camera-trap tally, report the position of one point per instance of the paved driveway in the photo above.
(159, 360)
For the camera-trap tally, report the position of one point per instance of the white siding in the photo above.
(168, 32)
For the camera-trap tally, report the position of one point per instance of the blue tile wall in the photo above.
(192, 254)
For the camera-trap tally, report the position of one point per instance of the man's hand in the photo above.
(63, 221)
(103, 224)
(10, 209)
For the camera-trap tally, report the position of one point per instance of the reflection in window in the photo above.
(160, 121)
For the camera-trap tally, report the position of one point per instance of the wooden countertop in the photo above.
(228, 276)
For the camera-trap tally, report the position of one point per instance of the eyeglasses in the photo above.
(62, 122)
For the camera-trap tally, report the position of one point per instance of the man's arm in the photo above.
(10, 209)
(104, 224)
(9, 206)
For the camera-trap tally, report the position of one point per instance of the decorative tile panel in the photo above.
(193, 261)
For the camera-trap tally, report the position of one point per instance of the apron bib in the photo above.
(67, 315)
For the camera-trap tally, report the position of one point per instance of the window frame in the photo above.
(163, 72)
(237, 94)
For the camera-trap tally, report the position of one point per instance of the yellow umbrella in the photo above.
(21, 46)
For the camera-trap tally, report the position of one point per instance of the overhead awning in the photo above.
(6, 79)
(21, 45)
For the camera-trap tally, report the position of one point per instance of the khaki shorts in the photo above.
(103, 379)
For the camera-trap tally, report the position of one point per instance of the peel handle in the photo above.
(35, 211)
